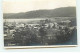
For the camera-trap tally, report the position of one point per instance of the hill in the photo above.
(58, 12)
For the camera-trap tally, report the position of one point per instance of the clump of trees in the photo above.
(24, 37)
(30, 36)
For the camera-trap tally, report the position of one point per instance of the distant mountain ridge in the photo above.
(58, 12)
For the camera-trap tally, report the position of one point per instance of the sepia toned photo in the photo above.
(39, 23)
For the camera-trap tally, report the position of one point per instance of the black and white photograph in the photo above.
(39, 23)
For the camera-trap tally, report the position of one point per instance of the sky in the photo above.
(17, 6)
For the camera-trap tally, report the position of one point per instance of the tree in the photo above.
(42, 33)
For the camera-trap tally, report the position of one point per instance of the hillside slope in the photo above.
(59, 12)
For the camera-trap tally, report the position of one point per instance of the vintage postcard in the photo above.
(39, 23)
